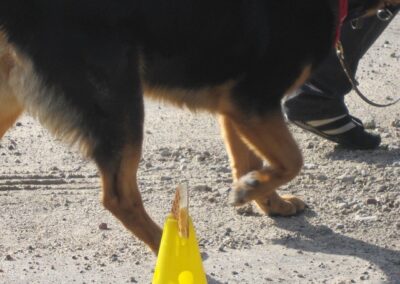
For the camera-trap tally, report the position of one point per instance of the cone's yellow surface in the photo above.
(179, 260)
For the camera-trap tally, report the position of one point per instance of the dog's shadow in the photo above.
(322, 239)
(381, 156)
(211, 280)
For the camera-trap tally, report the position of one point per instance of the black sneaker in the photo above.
(329, 118)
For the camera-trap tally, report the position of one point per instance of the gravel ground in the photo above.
(51, 214)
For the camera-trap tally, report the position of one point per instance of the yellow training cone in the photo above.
(179, 260)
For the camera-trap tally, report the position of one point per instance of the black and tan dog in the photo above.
(82, 67)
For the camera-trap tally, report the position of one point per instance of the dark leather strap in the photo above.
(353, 81)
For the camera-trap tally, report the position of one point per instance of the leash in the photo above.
(384, 15)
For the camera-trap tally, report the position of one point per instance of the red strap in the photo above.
(343, 12)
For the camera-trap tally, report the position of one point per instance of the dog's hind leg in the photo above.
(101, 105)
(118, 136)
(269, 139)
(117, 154)
(121, 194)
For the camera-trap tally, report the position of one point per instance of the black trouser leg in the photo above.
(319, 104)
(329, 77)
(323, 96)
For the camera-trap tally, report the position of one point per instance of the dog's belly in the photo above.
(196, 80)
(209, 98)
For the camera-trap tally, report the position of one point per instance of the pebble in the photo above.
(365, 218)
(224, 191)
(212, 199)
(339, 226)
(228, 231)
(342, 205)
(103, 226)
(245, 210)
(382, 188)
(200, 158)
(204, 188)
(309, 166)
(165, 153)
(370, 124)
(310, 145)
(371, 201)
(396, 123)
(347, 178)
(393, 147)
(9, 258)
(321, 177)
(223, 170)
(364, 277)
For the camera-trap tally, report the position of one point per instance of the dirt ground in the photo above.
(50, 210)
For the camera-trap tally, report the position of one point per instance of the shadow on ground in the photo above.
(211, 280)
(322, 239)
(381, 156)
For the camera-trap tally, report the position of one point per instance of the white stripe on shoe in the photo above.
(320, 122)
(315, 89)
(341, 130)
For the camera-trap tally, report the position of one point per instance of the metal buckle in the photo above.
(384, 14)
(357, 24)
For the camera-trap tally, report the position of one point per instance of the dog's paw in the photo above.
(244, 188)
(286, 205)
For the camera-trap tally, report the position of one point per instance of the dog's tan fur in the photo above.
(10, 107)
(121, 197)
(209, 99)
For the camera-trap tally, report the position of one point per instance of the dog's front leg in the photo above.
(248, 143)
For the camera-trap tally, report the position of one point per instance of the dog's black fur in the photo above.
(95, 57)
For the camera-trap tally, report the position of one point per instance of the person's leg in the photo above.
(330, 77)
(319, 106)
